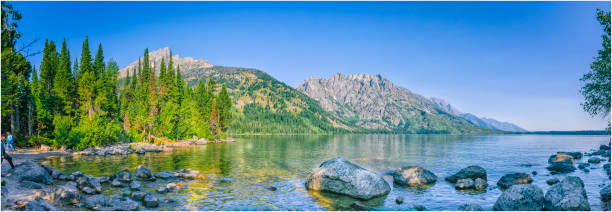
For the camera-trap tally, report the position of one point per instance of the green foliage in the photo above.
(596, 91)
(61, 131)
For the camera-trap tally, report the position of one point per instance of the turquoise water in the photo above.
(239, 173)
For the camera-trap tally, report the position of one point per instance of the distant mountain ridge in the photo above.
(375, 103)
(487, 123)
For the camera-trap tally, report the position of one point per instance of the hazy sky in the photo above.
(512, 61)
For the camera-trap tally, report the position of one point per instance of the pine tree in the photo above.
(87, 82)
(63, 88)
(180, 85)
(224, 107)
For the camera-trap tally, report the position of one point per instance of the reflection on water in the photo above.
(241, 172)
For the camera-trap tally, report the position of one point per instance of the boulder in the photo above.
(343, 177)
(466, 183)
(117, 183)
(137, 195)
(413, 175)
(561, 158)
(512, 179)
(552, 181)
(124, 176)
(569, 194)
(595, 160)
(604, 147)
(470, 207)
(65, 195)
(143, 173)
(520, 197)
(151, 201)
(480, 184)
(124, 204)
(558, 168)
(95, 201)
(166, 174)
(605, 193)
(575, 155)
(89, 184)
(471, 172)
(30, 171)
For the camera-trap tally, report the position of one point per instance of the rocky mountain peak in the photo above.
(155, 57)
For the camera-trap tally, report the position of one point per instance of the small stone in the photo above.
(552, 181)
(272, 188)
(594, 160)
(419, 207)
(399, 200)
(137, 195)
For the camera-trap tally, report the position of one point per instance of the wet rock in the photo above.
(419, 207)
(62, 177)
(583, 165)
(512, 179)
(33, 205)
(575, 155)
(552, 181)
(117, 183)
(95, 201)
(607, 168)
(471, 172)
(470, 207)
(271, 188)
(224, 179)
(343, 177)
(65, 195)
(151, 201)
(561, 158)
(140, 151)
(137, 195)
(166, 175)
(558, 168)
(534, 173)
(569, 194)
(124, 204)
(190, 174)
(399, 200)
(520, 197)
(173, 187)
(605, 193)
(103, 180)
(599, 152)
(162, 190)
(595, 160)
(604, 147)
(89, 184)
(30, 171)
(480, 184)
(88, 191)
(124, 176)
(143, 173)
(30, 184)
(135, 186)
(464, 184)
(413, 175)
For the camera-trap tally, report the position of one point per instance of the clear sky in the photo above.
(512, 61)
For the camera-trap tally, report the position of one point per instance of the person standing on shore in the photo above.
(4, 155)
(9, 140)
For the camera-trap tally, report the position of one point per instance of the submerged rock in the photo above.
(151, 201)
(512, 179)
(124, 204)
(95, 201)
(190, 174)
(399, 200)
(166, 174)
(607, 168)
(137, 195)
(343, 177)
(413, 175)
(569, 194)
(558, 168)
(552, 181)
(604, 147)
(471, 172)
(520, 197)
(595, 160)
(418, 207)
(135, 186)
(583, 165)
(470, 207)
(124, 176)
(605, 193)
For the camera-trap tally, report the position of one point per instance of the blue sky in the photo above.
(512, 61)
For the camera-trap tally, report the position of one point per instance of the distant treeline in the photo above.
(580, 132)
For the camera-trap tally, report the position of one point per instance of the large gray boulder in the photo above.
(30, 171)
(512, 179)
(413, 175)
(567, 195)
(89, 184)
(65, 195)
(561, 158)
(34, 205)
(520, 197)
(343, 177)
(143, 173)
(471, 172)
(95, 201)
(166, 174)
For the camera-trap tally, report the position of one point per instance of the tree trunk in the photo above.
(30, 119)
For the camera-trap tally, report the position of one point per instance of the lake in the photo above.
(241, 172)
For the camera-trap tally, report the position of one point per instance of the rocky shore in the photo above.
(343, 177)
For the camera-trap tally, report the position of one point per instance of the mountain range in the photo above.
(353, 103)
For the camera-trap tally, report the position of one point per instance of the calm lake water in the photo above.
(240, 172)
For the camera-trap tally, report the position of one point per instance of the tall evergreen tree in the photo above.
(87, 82)
(63, 88)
